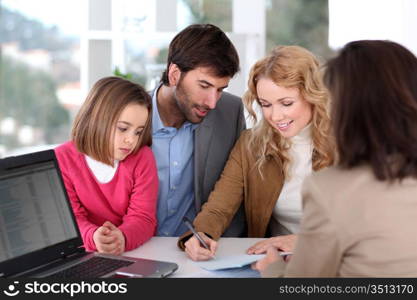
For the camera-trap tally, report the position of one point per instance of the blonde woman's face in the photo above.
(128, 129)
(284, 108)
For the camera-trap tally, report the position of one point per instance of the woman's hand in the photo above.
(196, 251)
(272, 255)
(284, 243)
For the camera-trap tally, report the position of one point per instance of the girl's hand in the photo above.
(109, 239)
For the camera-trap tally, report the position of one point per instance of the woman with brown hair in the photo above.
(360, 216)
(269, 162)
(109, 170)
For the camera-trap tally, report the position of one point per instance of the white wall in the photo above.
(394, 20)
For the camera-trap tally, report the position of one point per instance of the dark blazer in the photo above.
(213, 140)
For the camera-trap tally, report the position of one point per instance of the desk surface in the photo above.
(165, 248)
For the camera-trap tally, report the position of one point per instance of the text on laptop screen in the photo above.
(34, 212)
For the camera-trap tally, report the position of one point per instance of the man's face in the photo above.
(197, 92)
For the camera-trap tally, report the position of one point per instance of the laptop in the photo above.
(39, 236)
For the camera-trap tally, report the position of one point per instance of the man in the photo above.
(194, 125)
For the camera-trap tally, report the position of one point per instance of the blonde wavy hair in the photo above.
(290, 67)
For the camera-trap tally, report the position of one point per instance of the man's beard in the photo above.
(185, 106)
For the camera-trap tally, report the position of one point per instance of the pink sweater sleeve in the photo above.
(86, 227)
(139, 223)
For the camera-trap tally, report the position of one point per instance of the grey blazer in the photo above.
(213, 140)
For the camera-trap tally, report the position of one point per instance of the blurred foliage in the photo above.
(30, 34)
(299, 22)
(217, 12)
(288, 22)
(162, 56)
(134, 77)
(29, 97)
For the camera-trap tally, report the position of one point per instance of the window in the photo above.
(39, 73)
(49, 58)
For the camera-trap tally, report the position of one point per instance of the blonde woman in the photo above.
(368, 229)
(269, 162)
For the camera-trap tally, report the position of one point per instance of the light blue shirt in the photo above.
(174, 152)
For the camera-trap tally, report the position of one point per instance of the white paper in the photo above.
(229, 262)
(244, 272)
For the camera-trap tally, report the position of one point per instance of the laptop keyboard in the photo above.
(94, 267)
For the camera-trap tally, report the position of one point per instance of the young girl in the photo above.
(109, 170)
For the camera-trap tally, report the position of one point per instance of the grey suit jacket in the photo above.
(354, 226)
(214, 138)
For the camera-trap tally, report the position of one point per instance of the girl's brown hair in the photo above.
(95, 122)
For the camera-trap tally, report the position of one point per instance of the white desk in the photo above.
(165, 248)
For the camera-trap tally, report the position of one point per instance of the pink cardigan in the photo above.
(128, 200)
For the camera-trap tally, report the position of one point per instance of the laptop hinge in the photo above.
(52, 264)
(72, 254)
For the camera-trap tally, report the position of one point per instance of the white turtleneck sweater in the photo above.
(287, 213)
(103, 173)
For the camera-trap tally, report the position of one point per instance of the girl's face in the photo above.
(284, 108)
(128, 129)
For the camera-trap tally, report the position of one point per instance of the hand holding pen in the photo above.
(199, 246)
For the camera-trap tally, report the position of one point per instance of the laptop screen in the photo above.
(34, 212)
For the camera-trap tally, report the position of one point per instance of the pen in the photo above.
(285, 253)
(190, 226)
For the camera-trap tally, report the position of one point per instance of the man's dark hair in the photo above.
(202, 45)
(373, 86)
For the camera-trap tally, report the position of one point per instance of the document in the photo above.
(244, 272)
(229, 261)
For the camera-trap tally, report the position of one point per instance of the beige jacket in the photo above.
(354, 226)
(241, 182)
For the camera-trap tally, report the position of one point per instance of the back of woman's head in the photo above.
(291, 67)
(373, 86)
